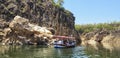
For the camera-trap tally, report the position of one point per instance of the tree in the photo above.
(60, 2)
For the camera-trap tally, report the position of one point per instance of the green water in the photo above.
(50, 52)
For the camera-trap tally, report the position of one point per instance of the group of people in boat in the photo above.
(64, 42)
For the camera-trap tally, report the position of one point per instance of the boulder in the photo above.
(21, 32)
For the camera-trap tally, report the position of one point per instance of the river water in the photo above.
(51, 52)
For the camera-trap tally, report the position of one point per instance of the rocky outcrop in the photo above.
(96, 35)
(21, 32)
(40, 12)
(102, 36)
(113, 37)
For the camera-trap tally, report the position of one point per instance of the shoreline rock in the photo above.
(21, 32)
(103, 36)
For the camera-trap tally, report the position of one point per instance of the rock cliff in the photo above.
(44, 13)
(22, 32)
(102, 36)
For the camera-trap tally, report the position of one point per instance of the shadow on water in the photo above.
(86, 51)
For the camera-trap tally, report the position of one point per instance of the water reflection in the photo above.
(40, 52)
(111, 46)
(105, 50)
(87, 51)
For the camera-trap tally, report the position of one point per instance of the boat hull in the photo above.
(58, 46)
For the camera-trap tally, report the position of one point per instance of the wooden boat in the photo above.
(64, 42)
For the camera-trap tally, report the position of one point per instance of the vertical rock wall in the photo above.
(41, 12)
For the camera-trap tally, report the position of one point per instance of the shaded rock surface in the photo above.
(43, 13)
(21, 32)
(102, 36)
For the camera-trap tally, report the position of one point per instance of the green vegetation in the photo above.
(91, 27)
(58, 2)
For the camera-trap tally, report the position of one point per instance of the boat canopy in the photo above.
(63, 37)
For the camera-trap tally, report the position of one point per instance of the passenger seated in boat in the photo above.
(73, 43)
(60, 42)
(67, 44)
(55, 43)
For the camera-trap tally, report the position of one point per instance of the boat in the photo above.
(64, 42)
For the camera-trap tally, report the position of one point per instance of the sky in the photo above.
(94, 11)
